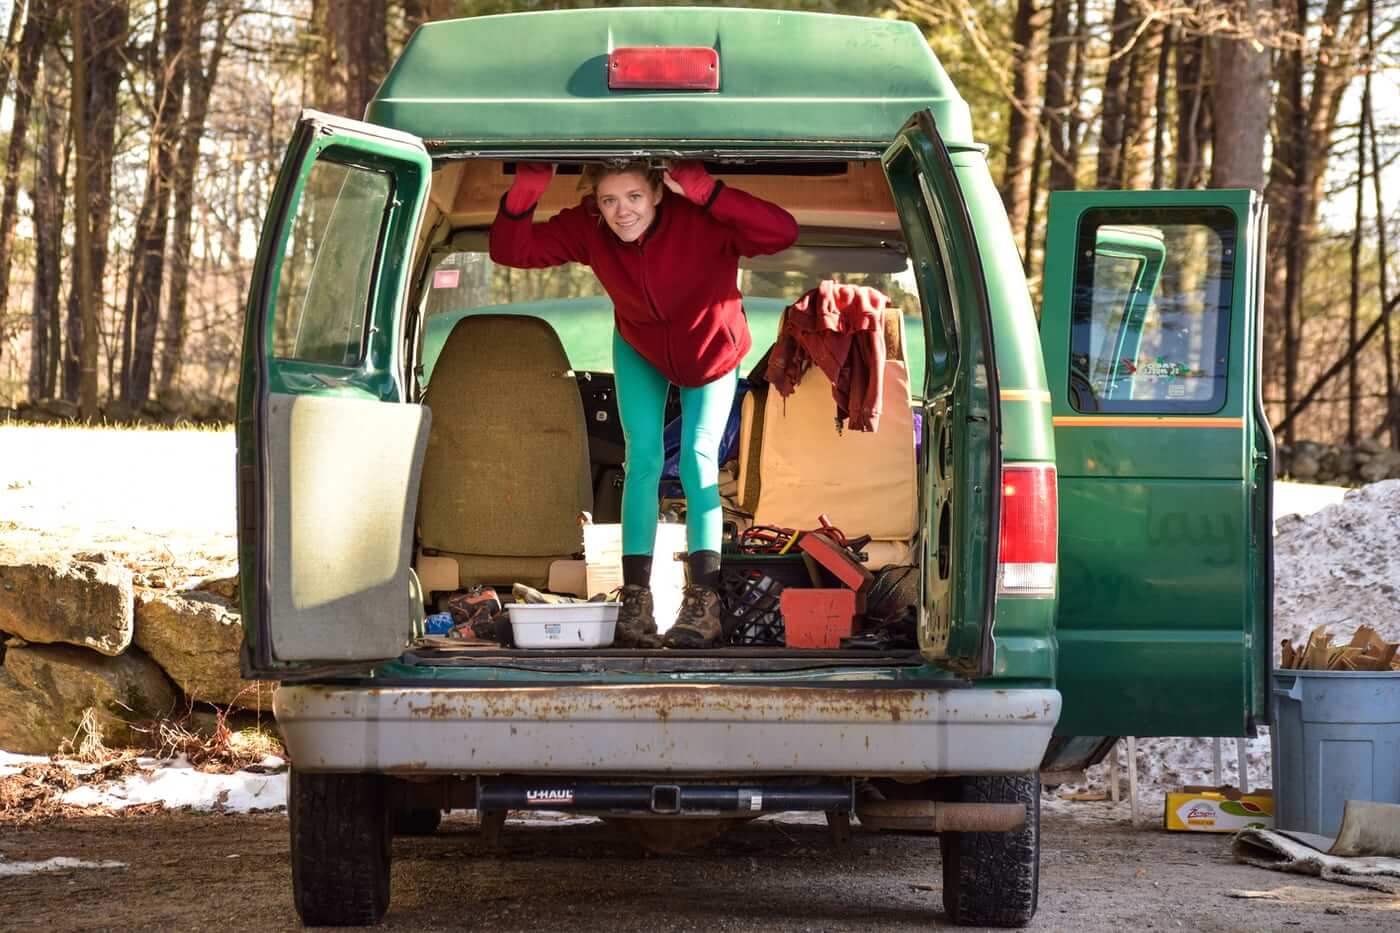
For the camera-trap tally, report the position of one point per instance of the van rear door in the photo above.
(1150, 331)
(961, 420)
(329, 451)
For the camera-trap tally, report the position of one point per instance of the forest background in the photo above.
(144, 136)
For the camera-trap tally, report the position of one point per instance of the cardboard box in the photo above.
(602, 550)
(1217, 810)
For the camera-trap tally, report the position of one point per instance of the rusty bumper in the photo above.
(701, 730)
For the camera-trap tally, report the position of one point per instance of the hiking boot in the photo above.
(636, 621)
(698, 624)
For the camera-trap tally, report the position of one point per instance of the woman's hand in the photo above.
(690, 180)
(531, 179)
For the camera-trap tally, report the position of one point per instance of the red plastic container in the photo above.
(817, 618)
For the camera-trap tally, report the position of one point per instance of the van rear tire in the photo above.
(993, 879)
(340, 841)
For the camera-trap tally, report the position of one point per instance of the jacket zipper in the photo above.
(655, 312)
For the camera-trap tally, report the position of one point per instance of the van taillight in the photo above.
(1029, 528)
(662, 68)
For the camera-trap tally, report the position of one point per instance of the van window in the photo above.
(328, 265)
(1151, 317)
(571, 300)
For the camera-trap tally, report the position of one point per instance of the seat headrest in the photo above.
(509, 338)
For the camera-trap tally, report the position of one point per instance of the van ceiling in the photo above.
(468, 192)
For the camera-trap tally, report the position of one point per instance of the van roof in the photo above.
(524, 79)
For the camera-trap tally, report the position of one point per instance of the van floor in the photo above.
(440, 652)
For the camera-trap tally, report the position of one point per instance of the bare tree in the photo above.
(202, 73)
(97, 77)
(31, 48)
(48, 194)
(1115, 95)
(1028, 39)
(1243, 70)
(149, 259)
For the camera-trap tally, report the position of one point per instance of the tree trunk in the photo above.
(1142, 96)
(105, 24)
(1368, 114)
(31, 47)
(1055, 115)
(202, 76)
(160, 180)
(1354, 292)
(351, 53)
(1021, 126)
(7, 54)
(1115, 96)
(1241, 114)
(1159, 125)
(48, 195)
(1076, 93)
(1192, 112)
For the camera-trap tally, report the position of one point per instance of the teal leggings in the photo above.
(641, 403)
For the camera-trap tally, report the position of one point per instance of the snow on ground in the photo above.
(1340, 566)
(11, 763)
(59, 863)
(176, 784)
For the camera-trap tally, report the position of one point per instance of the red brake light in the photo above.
(1029, 529)
(664, 68)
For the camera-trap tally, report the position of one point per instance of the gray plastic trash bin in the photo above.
(1336, 737)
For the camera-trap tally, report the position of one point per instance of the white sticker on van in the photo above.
(446, 278)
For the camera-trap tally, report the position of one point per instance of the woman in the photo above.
(665, 245)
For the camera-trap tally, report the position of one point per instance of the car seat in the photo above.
(506, 473)
(794, 466)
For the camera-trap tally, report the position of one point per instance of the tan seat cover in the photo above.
(866, 482)
(507, 468)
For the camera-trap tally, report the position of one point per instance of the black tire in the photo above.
(993, 879)
(416, 822)
(340, 848)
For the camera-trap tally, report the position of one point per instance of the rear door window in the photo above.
(1151, 314)
(328, 264)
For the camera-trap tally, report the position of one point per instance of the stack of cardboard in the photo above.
(1366, 651)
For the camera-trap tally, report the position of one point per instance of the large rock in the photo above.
(53, 599)
(195, 637)
(46, 689)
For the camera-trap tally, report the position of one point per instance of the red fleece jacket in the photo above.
(841, 328)
(675, 291)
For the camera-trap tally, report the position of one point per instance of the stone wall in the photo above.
(80, 632)
(1369, 461)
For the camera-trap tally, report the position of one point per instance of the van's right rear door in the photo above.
(1150, 332)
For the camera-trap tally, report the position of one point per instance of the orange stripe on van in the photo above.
(1108, 421)
(1025, 395)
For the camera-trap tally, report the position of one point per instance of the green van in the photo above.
(1086, 501)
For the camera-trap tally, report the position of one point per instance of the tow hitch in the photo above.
(663, 799)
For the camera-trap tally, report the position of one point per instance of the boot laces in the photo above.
(692, 610)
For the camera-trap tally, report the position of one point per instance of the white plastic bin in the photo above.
(563, 625)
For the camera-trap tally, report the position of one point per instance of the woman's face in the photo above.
(628, 204)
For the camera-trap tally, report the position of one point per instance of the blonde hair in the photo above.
(595, 172)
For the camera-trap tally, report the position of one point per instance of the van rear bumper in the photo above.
(709, 730)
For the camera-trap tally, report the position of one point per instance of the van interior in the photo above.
(526, 445)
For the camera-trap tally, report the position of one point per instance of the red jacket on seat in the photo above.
(675, 290)
(841, 328)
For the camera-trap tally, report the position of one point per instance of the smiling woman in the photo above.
(669, 259)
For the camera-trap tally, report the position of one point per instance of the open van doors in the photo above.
(1150, 333)
(961, 420)
(329, 451)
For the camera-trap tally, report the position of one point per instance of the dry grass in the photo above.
(224, 750)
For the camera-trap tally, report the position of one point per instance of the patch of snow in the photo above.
(1304, 498)
(178, 785)
(11, 869)
(1340, 566)
(10, 763)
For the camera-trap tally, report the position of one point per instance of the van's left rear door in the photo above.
(329, 450)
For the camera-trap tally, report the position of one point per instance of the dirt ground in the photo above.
(209, 871)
